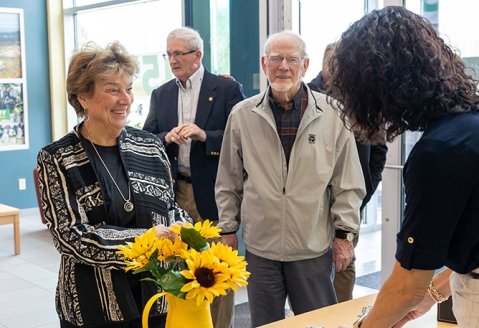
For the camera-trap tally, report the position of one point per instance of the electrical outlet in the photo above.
(22, 184)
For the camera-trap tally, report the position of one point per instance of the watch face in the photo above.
(341, 234)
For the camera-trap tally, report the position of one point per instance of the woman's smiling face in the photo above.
(109, 105)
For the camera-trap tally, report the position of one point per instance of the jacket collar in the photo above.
(312, 98)
(316, 102)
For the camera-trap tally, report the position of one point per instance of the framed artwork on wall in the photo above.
(13, 81)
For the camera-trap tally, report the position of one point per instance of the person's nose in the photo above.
(284, 65)
(126, 97)
(172, 59)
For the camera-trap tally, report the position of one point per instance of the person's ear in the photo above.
(263, 63)
(198, 55)
(82, 100)
(305, 65)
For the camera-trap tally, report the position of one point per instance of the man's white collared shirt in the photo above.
(187, 105)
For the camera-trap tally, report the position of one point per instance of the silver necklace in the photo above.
(128, 205)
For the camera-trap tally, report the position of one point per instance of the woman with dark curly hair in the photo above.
(391, 70)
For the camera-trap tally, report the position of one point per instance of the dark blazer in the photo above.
(217, 97)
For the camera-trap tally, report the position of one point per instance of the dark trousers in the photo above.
(307, 283)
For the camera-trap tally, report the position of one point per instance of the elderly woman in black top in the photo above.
(393, 71)
(103, 184)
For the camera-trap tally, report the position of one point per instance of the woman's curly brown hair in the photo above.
(392, 71)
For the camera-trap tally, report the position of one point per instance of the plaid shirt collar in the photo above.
(300, 100)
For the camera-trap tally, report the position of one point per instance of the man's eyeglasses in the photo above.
(177, 54)
(290, 60)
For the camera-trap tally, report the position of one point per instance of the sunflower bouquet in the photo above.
(187, 264)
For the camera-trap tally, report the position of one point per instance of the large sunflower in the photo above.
(137, 254)
(207, 280)
(234, 265)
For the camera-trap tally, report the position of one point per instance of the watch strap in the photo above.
(343, 234)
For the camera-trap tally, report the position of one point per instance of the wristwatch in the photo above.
(343, 234)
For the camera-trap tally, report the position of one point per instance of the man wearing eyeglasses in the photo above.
(189, 114)
(289, 174)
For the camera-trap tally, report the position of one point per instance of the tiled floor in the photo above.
(27, 281)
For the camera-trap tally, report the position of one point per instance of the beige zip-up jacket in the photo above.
(288, 213)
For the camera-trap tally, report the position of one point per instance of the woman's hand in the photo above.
(162, 231)
(418, 311)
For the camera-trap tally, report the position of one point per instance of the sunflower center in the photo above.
(205, 277)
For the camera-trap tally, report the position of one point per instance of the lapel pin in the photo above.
(210, 98)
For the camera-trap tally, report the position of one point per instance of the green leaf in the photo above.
(172, 282)
(194, 239)
(140, 270)
(152, 280)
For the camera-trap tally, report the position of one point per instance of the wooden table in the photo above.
(11, 215)
(346, 314)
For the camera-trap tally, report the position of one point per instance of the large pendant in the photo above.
(128, 206)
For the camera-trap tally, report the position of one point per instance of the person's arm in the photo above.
(347, 191)
(214, 138)
(400, 294)
(177, 214)
(151, 122)
(373, 160)
(438, 291)
(377, 163)
(156, 121)
(67, 219)
(229, 183)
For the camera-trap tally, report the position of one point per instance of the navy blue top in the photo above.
(441, 178)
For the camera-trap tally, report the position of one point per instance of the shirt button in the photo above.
(410, 240)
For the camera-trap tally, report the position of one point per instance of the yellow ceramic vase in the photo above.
(186, 314)
(182, 313)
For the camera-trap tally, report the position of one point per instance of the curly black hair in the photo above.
(391, 70)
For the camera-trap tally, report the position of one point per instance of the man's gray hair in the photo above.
(190, 36)
(288, 34)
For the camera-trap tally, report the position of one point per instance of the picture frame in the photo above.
(13, 81)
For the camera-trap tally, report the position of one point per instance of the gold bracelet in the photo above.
(435, 295)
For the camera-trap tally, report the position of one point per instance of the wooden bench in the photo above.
(11, 215)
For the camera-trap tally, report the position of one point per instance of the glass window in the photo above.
(455, 32)
(453, 20)
(322, 22)
(81, 3)
(220, 36)
(142, 27)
